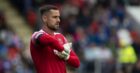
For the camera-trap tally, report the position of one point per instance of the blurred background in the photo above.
(105, 34)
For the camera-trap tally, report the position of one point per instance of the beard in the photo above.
(53, 27)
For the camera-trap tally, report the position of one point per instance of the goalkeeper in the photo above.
(50, 50)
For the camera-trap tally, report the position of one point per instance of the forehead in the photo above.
(54, 12)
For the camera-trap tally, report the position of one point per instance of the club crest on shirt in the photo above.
(60, 41)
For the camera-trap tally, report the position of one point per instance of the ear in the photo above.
(44, 18)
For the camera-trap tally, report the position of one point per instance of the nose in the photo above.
(58, 19)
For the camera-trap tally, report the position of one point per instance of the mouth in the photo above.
(57, 24)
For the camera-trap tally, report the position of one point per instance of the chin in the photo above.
(55, 29)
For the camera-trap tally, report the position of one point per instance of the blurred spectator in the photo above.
(69, 8)
(126, 56)
(31, 18)
(84, 18)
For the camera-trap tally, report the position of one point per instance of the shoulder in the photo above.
(37, 34)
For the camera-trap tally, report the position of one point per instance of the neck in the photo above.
(47, 30)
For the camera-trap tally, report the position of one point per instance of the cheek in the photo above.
(49, 21)
(52, 20)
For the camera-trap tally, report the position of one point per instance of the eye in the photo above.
(56, 17)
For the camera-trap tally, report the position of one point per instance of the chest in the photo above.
(60, 39)
(49, 49)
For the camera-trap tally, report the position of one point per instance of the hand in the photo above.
(67, 47)
(63, 55)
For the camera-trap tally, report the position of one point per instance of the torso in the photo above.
(44, 58)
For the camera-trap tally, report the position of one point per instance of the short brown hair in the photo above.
(47, 8)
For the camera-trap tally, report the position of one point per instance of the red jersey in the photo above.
(45, 61)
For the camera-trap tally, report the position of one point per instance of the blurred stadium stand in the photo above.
(105, 34)
(134, 12)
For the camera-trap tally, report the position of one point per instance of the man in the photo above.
(50, 51)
